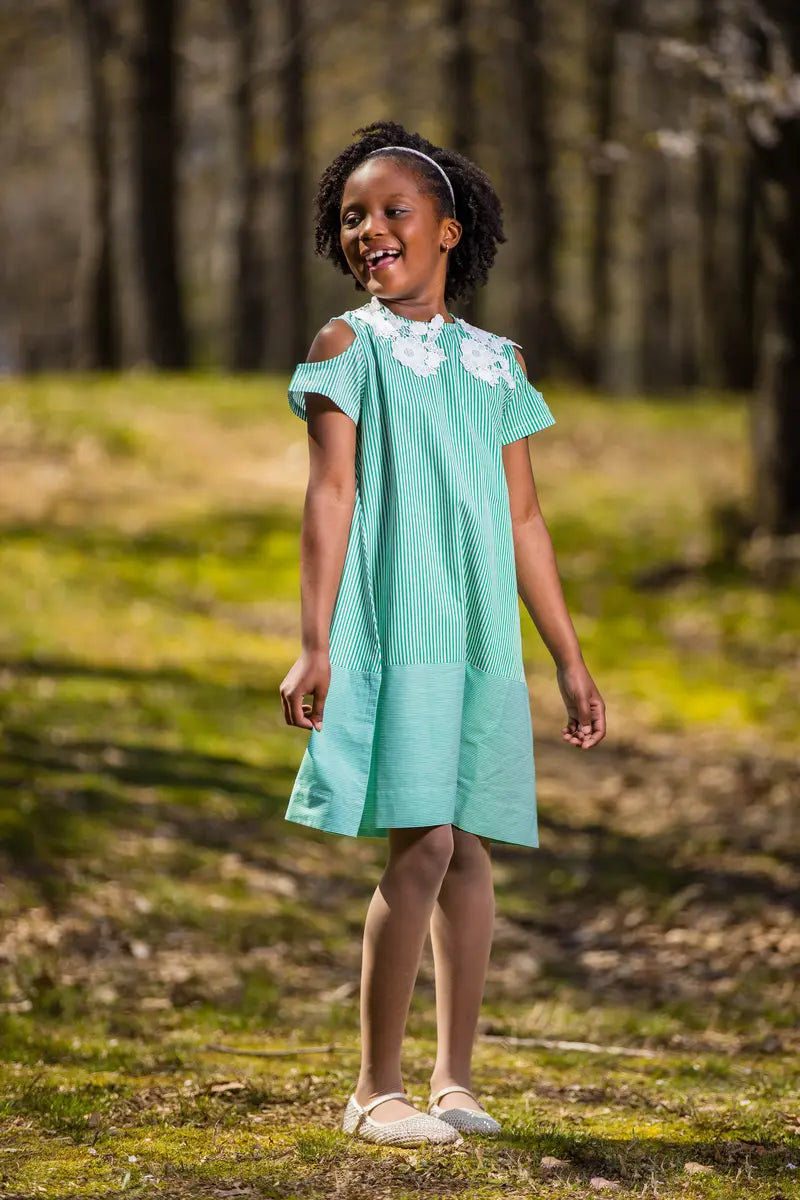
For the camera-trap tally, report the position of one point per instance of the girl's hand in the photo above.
(310, 676)
(586, 712)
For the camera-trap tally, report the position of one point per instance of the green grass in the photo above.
(154, 903)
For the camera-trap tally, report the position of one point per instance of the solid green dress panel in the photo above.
(427, 718)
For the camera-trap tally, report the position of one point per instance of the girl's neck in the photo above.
(417, 310)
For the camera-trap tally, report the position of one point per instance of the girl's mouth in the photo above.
(383, 261)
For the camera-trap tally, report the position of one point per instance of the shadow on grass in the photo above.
(138, 765)
(66, 791)
(236, 533)
(37, 666)
(71, 790)
(630, 1162)
(69, 796)
(311, 1150)
(66, 798)
(606, 863)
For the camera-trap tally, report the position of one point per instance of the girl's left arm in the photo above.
(539, 585)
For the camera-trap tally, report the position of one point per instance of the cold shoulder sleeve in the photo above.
(342, 379)
(524, 408)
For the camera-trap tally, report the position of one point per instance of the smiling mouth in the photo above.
(382, 261)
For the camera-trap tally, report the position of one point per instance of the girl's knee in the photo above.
(425, 851)
(469, 849)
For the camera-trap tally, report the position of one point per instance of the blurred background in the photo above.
(158, 162)
(160, 158)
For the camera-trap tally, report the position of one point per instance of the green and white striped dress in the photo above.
(427, 718)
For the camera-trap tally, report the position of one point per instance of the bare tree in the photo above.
(756, 69)
(546, 338)
(660, 369)
(727, 258)
(607, 19)
(292, 85)
(459, 87)
(742, 327)
(98, 322)
(776, 412)
(601, 80)
(155, 137)
(247, 308)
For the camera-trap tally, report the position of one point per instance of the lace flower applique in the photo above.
(482, 354)
(413, 342)
(423, 359)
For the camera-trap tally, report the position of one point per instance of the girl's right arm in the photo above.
(325, 531)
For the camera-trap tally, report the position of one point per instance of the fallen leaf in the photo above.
(603, 1185)
(549, 1163)
(695, 1168)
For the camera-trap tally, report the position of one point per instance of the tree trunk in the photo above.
(657, 364)
(713, 297)
(727, 253)
(459, 88)
(98, 322)
(776, 410)
(155, 138)
(619, 357)
(601, 72)
(742, 334)
(544, 337)
(295, 221)
(247, 308)
(663, 365)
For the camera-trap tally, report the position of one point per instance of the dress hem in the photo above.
(387, 759)
(493, 837)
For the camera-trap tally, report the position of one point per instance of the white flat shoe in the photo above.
(417, 1130)
(465, 1119)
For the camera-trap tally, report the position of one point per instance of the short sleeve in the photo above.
(341, 378)
(524, 409)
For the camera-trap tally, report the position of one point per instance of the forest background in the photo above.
(161, 926)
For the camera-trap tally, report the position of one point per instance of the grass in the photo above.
(154, 904)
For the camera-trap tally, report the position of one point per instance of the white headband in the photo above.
(438, 166)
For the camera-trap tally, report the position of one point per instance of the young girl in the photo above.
(421, 526)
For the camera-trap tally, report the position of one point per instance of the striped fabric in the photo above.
(427, 718)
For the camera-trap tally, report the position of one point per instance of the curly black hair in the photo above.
(478, 206)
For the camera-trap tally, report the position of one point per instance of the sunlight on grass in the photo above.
(157, 911)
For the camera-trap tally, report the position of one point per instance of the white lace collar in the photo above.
(413, 343)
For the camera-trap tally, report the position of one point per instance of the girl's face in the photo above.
(383, 209)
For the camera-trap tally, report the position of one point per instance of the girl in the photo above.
(421, 525)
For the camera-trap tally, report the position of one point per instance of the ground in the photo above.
(158, 915)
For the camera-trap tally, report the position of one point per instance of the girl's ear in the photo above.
(451, 235)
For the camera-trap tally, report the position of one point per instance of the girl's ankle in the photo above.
(366, 1092)
(441, 1081)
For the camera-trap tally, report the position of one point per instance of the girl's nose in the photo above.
(370, 225)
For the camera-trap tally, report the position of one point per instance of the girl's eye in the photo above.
(348, 221)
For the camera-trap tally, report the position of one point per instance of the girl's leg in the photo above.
(462, 926)
(395, 931)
